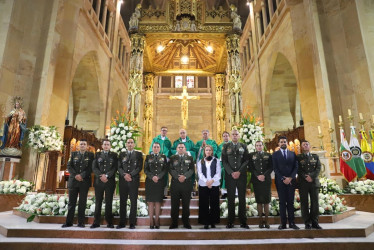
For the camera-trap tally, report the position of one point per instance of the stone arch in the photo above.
(85, 95)
(282, 103)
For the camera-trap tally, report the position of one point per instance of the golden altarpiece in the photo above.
(184, 48)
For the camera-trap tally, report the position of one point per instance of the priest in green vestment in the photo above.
(190, 146)
(165, 143)
(200, 145)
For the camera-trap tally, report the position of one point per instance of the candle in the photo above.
(340, 118)
(319, 129)
(329, 123)
(372, 117)
(360, 115)
(349, 112)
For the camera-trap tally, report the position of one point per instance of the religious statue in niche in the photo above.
(134, 19)
(237, 23)
(193, 26)
(14, 130)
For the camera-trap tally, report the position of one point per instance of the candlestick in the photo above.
(350, 117)
(362, 122)
(333, 149)
(320, 136)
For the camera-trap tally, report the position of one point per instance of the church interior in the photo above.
(73, 70)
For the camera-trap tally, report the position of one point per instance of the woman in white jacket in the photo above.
(209, 172)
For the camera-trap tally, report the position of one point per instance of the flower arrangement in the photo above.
(328, 204)
(122, 128)
(329, 186)
(15, 187)
(360, 187)
(54, 205)
(44, 138)
(250, 130)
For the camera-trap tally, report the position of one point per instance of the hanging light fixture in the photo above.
(185, 59)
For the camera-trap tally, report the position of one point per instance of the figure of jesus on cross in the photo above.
(184, 97)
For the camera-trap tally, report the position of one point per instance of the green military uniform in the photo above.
(200, 151)
(155, 165)
(309, 164)
(219, 156)
(165, 145)
(132, 164)
(104, 163)
(181, 165)
(261, 163)
(79, 164)
(234, 159)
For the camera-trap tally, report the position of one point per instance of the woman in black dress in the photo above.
(155, 168)
(209, 172)
(261, 166)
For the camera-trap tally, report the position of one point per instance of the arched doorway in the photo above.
(282, 102)
(85, 106)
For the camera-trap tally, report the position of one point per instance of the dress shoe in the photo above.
(81, 225)
(245, 226)
(172, 226)
(213, 226)
(67, 225)
(230, 225)
(266, 226)
(151, 227)
(187, 226)
(282, 227)
(293, 226)
(132, 226)
(157, 227)
(94, 226)
(316, 226)
(261, 225)
(224, 196)
(110, 226)
(206, 226)
(308, 226)
(120, 226)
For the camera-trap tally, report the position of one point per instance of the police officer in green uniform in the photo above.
(80, 168)
(309, 168)
(130, 163)
(235, 161)
(200, 145)
(226, 139)
(104, 166)
(181, 168)
(261, 166)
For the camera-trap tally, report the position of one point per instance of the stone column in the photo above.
(271, 8)
(220, 105)
(136, 75)
(249, 54)
(234, 78)
(251, 44)
(148, 110)
(264, 14)
(97, 9)
(103, 21)
(259, 29)
(110, 25)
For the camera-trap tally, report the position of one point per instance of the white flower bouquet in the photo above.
(44, 138)
(15, 187)
(329, 186)
(121, 129)
(360, 187)
(250, 131)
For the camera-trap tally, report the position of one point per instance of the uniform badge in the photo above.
(302, 161)
(254, 157)
(187, 161)
(266, 157)
(100, 159)
(175, 163)
(313, 161)
(229, 150)
(241, 150)
(86, 159)
(150, 160)
(161, 159)
(124, 159)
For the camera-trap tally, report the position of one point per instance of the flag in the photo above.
(355, 148)
(367, 154)
(347, 166)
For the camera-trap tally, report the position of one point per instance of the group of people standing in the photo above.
(223, 166)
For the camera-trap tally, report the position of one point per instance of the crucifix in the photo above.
(184, 97)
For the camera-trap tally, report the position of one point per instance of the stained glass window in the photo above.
(178, 81)
(190, 81)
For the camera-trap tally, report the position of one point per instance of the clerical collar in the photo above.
(163, 137)
(184, 140)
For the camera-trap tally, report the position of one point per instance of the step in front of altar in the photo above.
(166, 220)
(354, 232)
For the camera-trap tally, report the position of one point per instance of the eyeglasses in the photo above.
(164, 130)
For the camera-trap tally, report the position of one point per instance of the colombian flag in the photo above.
(367, 154)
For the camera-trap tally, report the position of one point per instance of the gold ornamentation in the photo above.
(148, 109)
(220, 105)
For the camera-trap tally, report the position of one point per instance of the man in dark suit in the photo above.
(235, 160)
(80, 168)
(130, 163)
(285, 168)
(104, 166)
(309, 168)
(181, 168)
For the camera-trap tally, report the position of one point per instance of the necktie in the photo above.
(284, 154)
(130, 154)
